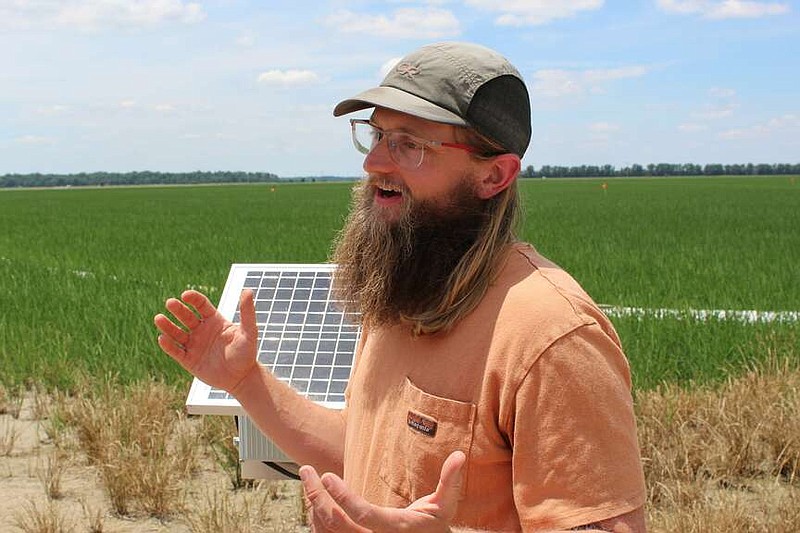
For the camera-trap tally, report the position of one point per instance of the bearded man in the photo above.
(489, 392)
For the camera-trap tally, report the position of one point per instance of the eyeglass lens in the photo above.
(404, 149)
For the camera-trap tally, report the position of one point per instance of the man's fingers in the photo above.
(173, 349)
(247, 312)
(326, 514)
(168, 328)
(168, 340)
(320, 504)
(311, 482)
(200, 302)
(185, 315)
(357, 508)
(448, 492)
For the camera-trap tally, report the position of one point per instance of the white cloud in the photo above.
(689, 127)
(404, 23)
(682, 7)
(52, 110)
(738, 9)
(97, 14)
(534, 12)
(603, 75)
(784, 124)
(753, 132)
(716, 111)
(288, 78)
(603, 127)
(723, 106)
(785, 121)
(721, 92)
(559, 82)
(555, 82)
(33, 139)
(389, 65)
(127, 104)
(601, 133)
(246, 39)
(164, 108)
(725, 9)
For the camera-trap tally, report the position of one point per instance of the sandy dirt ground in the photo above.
(84, 504)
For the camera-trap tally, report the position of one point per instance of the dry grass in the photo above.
(716, 459)
(42, 403)
(135, 438)
(3, 399)
(8, 437)
(51, 472)
(727, 458)
(218, 432)
(251, 512)
(94, 518)
(32, 518)
(11, 400)
(146, 453)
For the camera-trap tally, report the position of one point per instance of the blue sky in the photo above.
(176, 85)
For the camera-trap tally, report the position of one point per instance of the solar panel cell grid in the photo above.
(304, 338)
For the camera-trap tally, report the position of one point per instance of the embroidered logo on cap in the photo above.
(420, 423)
(407, 69)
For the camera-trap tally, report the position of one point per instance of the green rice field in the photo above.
(82, 271)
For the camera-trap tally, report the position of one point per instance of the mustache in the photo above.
(376, 181)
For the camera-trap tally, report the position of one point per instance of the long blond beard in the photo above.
(394, 271)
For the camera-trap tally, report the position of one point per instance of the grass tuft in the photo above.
(94, 518)
(51, 473)
(8, 437)
(218, 432)
(135, 438)
(32, 518)
(245, 511)
(11, 400)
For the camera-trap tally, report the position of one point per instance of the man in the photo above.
(489, 392)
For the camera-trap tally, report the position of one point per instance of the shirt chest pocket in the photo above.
(423, 432)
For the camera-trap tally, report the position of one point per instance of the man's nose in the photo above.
(379, 159)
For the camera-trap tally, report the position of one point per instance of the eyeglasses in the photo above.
(406, 150)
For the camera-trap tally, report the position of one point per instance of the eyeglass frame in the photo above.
(392, 147)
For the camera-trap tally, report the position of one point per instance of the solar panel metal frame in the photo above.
(204, 399)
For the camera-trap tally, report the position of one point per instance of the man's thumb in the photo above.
(448, 492)
(247, 311)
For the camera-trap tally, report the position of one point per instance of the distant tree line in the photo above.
(145, 177)
(662, 169)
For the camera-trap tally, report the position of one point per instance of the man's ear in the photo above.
(496, 174)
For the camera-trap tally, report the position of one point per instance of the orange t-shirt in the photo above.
(532, 386)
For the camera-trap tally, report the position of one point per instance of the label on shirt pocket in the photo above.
(425, 431)
(420, 423)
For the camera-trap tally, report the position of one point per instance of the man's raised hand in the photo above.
(209, 346)
(334, 507)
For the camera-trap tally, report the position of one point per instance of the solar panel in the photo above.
(304, 337)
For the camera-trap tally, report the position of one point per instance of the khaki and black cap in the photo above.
(456, 83)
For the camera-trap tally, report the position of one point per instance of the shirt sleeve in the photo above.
(575, 451)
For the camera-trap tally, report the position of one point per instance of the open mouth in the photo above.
(388, 191)
(385, 193)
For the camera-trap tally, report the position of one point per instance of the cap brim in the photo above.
(398, 100)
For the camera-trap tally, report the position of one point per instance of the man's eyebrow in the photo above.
(373, 121)
(403, 129)
(406, 130)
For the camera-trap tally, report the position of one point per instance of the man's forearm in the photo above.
(305, 431)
